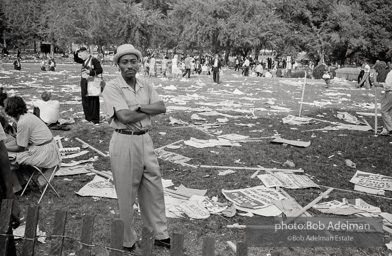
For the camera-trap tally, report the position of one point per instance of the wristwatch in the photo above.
(138, 108)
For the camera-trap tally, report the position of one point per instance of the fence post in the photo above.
(117, 237)
(5, 221)
(177, 245)
(242, 249)
(31, 231)
(208, 246)
(60, 219)
(87, 236)
(147, 241)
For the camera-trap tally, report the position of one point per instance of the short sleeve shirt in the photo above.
(2, 134)
(388, 82)
(32, 131)
(49, 110)
(118, 95)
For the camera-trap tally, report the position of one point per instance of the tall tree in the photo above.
(134, 24)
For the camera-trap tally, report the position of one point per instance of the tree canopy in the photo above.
(329, 30)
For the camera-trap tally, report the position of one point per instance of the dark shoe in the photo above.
(130, 249)
(163, 242)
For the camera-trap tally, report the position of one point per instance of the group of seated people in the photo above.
(48, 64)
(28, 139)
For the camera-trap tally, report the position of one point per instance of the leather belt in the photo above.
(46, 142)
(129, 132)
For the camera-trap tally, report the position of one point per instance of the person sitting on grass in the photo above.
(6, 192)
(17, 64)
(268, 74)
(34, 144)
(327, 78)
(259, 69)
(52, 64)
(43, 64)
(47, 109)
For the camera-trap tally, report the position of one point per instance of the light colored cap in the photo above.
(124, 50)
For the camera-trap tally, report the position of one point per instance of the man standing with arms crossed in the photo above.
(386, 103)
(130, 103)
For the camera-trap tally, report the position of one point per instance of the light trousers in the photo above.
(386, 110)
(136, 172)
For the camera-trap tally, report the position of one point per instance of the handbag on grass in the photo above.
(95, 85)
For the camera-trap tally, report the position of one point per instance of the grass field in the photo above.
(324, 159)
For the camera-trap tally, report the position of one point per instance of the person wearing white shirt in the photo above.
(246, 67)
(268, 74)
(48, 109)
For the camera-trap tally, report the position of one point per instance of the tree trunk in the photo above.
(227, 53)
(52, 45)
(322, 55)
(35, 46)
(4, 41)
(91, 48)
(257, 50)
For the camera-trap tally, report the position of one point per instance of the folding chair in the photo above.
(39, 172)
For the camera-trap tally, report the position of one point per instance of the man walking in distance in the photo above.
(130, 103)
(216, 66)
(187, 63)
(91, 67)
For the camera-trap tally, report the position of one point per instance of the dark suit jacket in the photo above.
(95, 68)
(216, 69)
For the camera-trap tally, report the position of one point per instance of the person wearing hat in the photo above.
(91, 67)
(47, 109)
(131, 102)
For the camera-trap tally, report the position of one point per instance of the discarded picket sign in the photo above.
(296, 207)
(296, 120)
(307, 207)
(348, 117)
(302, 144)
(171, 156)
(347, 207)
(74, 163)
(371, 183)
(73, 170)
(260, 168)
(98, 187)
(358, 192)
(291, 181)
(367, 114)
(81, 153)
(257, 200)
(96, 150)
(64, 151)
(198, 143)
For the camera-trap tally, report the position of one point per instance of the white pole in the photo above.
(375, 109)
(302, 97)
